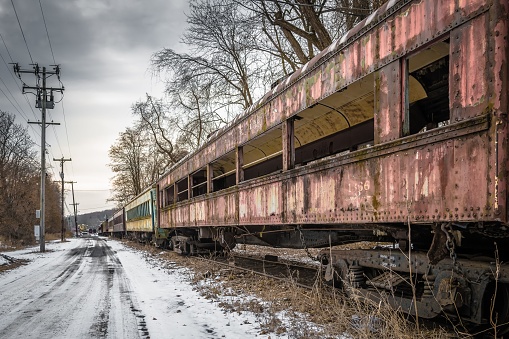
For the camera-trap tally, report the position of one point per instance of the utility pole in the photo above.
(43, 103)
(62, 160)
(74, 205)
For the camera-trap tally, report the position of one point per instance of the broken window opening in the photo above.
(427, 90)
(199, 182)
(338, 124)
(223, 172)
(169, 196)
(182, 189)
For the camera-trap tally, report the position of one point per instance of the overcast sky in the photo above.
(103, 48)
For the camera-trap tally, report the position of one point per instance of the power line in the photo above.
(67, 136)
(63, 111)
(47, 34)
(6, 48)
(13, 77)
(22, 33)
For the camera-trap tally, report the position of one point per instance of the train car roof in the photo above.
(139, 195)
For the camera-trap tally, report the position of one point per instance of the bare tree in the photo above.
(294, 31)
(136, 162)
(19, 184)
(222, 55)
(156, 119)
(127, 155)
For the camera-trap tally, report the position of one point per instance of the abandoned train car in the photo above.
(398, 131)
(140, 216)
(119, 223)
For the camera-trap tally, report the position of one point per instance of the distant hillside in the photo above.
(94, 219)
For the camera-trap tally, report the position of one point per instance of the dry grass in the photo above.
(284, 308)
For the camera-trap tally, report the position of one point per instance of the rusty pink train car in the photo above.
(398, 132)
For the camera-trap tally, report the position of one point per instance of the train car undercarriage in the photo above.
(473, 289)
(454, 270)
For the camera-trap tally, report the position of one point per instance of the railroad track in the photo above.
(302, 275)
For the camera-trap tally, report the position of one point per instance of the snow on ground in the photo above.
(172, 308)
(3, 261)
(163, 296)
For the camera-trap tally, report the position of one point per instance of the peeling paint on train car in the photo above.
(182, 215)
(216, 210)
(468, 51)
(198, 213)
(388, 113)
(499, 27)
(261, 205)
(143, 225)
(426, 184)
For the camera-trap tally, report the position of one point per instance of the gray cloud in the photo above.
(104, 48)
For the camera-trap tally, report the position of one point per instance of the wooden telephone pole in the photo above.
(43, 102)
(62, 160)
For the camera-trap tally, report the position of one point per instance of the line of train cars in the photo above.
(396, 132)
(137, 220)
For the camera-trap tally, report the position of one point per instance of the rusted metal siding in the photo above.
(433, 176)
(182, 216)
(217, 209)
(468, 73)
(499, 22)
(388, 113)
(261, 204)
(222, 208)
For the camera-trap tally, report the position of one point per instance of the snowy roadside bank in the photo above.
(172, 308)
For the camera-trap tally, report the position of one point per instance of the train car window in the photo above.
(223, 172)
(169, 194)
(138, 212)
(199, 182)
(182, 189)
(340, 123)
(262, 155)
(427, 90)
